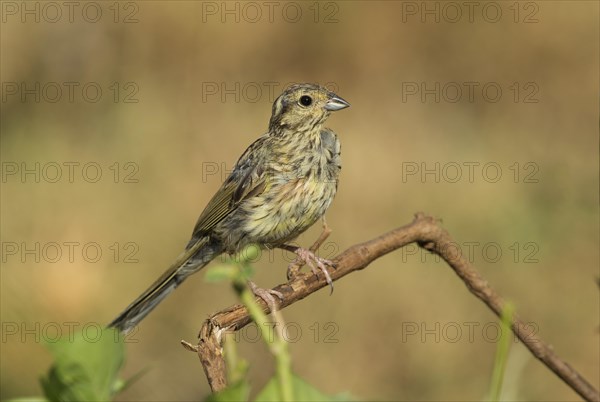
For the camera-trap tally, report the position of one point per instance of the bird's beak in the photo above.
(336, 103)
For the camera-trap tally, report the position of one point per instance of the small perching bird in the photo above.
(281, 185)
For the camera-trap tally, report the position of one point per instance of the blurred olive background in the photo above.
(186, 88)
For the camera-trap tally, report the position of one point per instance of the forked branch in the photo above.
(428, 234)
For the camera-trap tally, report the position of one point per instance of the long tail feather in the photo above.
(193, 259)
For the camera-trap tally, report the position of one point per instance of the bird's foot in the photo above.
(268, 295)
(294, 268)
(308, 257)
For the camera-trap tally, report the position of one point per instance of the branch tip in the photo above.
(429, 234)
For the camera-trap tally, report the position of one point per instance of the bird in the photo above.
(280, 186)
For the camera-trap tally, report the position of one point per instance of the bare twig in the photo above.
(429, 234)
(211, 355)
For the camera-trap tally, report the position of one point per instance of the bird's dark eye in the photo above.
(305, 100)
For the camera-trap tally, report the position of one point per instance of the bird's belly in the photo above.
(280, 214)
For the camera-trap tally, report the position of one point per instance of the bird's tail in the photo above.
(196, 256)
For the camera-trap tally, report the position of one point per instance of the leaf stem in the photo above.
(502, 350)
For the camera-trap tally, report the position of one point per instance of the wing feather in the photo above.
(245, 181)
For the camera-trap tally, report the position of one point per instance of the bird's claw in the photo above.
(266, 295)
(308, 257)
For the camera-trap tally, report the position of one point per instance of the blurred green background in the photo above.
(186, 86)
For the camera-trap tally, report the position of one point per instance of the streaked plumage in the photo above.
(281, 185)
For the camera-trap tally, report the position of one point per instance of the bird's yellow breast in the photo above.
(300, 184)
(286, 210)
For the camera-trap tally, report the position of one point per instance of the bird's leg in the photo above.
(322, 237)
(294, 268)
(307, 256)
(266, 295)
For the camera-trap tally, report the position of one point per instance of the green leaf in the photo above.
(85, 367)
(68, 382)
(236, 392)
(248, 254)
(221, 273)
(502, 350)
(121, 385)
(246, 271)
(229, 272)
(302, 392)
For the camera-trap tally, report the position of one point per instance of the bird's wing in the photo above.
(246, 180)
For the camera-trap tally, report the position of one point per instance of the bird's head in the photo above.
(304, 107)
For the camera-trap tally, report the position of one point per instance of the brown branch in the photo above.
(429, 234)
